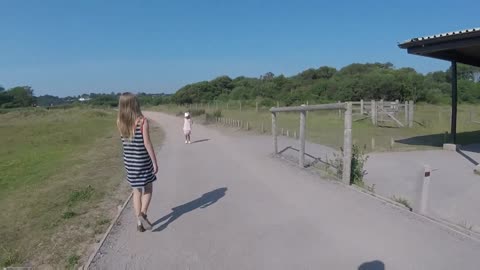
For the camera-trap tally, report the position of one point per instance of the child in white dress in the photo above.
(187, 127)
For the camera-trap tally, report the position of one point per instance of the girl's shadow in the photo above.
(204, 201)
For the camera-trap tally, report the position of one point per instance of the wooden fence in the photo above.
(385, 111)
(347, 135)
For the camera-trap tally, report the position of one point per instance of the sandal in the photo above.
(145, 222)
(140, 228)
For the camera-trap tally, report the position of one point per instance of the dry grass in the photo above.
(61, 182)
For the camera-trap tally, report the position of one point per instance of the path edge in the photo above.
(441, 223)
(100, 244)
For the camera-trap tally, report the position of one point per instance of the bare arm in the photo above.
(149, 146)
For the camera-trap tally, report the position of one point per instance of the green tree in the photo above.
(22, 96)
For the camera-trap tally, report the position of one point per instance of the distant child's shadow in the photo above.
(204, 201)
(199, 141)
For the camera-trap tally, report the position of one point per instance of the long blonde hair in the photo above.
(128, 113)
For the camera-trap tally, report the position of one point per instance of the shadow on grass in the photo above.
(204, 201)
(437, 140)
(470, 142)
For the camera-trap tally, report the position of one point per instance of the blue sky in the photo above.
(73, 47)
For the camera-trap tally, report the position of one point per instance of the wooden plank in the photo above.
(301, 161)
(347, 145)
(410, 113)
(274, 133)
(392, 117)
(333, 106)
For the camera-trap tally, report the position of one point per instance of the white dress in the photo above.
(187, 126)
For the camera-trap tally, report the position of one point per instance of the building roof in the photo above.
(461, 46)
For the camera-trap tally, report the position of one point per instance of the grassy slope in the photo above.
(60, 183)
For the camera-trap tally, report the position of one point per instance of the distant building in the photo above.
(82, 99)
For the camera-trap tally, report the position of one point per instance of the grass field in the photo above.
(431, 123)
(60, 184)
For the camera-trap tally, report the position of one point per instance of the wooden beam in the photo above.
(333, 106)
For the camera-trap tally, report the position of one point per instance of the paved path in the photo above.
(226, 204)
(454, 187)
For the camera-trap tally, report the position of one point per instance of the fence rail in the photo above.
(305, 108)
(347, 135)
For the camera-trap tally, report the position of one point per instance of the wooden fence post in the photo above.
(410, 114)
(347, 145)
(381, 106)
(301, 161)
(373, 112)
(406, 113)
(361, 107)
(274, 133)
(339, 111)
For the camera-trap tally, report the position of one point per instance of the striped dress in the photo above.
(138, 164)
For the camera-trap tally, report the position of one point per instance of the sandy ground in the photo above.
(225, 203)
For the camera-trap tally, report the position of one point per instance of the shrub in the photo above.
(357, 168)
(196, 112)
(217, 113)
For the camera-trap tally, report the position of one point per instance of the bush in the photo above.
(196, 112)
(217, 113)
(358, 162)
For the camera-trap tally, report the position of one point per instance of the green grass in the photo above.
(83, 194)
(60, 170)
(326, 127)
(72, 261)
(68, 214)
(403, 202)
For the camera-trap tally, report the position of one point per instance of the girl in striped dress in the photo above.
(138, 156)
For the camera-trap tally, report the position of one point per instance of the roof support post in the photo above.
(454, 102)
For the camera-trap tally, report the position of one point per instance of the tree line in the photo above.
(321, 85)
(327, 84)
(23, 96)
(20, 96)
